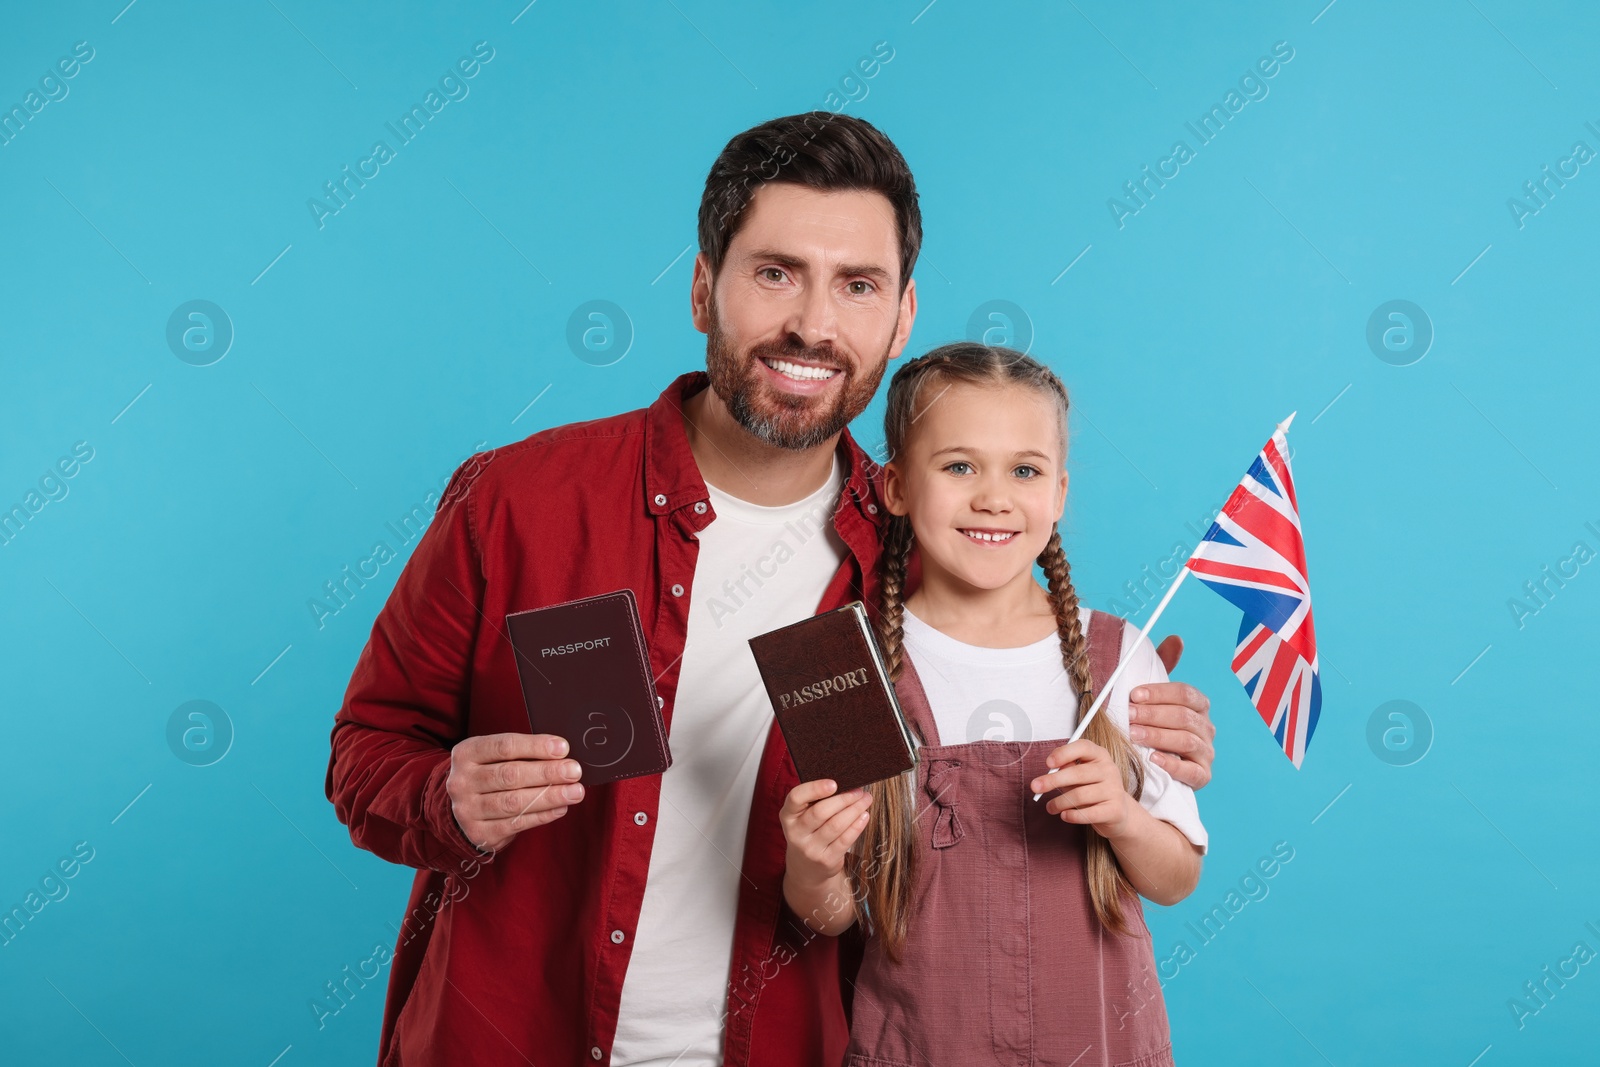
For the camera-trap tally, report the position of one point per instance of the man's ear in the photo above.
(908, 315)
(700, 293)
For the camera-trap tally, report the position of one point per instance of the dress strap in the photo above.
(1105, 645)
(914, 701)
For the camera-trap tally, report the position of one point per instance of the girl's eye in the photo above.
(966, 468)
(1026, 471)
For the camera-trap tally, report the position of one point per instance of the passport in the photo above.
(585, 673)
(833, 699)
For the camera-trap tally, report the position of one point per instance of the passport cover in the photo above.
(832, 696)
(586, 677)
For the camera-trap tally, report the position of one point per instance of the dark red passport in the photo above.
(586, 677)
(831, 694)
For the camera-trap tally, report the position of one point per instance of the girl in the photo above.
(999, 930)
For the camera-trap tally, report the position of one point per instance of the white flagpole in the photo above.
(1105, 690)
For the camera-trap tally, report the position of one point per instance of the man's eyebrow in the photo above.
(772, 255)
(864, 270)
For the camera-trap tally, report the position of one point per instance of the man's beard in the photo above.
(786, 420)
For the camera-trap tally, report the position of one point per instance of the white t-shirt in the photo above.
(1026, 694)
(759, 568)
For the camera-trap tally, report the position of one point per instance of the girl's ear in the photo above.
(894, 490)
(1061, 495)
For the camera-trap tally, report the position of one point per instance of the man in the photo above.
(643, 922)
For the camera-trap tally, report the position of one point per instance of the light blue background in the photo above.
(376, 353)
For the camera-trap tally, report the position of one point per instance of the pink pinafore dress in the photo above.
(1005, 961)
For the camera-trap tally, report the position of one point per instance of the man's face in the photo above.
(805, 313)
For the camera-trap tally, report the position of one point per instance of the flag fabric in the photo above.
(1254, 556)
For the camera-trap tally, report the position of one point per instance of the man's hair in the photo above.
(820, 150)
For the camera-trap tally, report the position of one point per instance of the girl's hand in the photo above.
(1092, 791)
(820, 827)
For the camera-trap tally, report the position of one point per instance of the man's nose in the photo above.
(814, 318)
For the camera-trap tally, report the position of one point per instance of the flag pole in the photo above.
(1105, 690)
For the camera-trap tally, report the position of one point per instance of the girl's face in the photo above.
(983, 479)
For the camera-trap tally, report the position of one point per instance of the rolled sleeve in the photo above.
(1164, 796)
(406, 704)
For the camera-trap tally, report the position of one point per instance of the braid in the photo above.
(912, 368)
(892, 609)
(883, 864)
(1064, 598)
(1107, 882)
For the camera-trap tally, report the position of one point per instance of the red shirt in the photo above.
(518, 957)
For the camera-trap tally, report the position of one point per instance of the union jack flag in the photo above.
(1255, 557)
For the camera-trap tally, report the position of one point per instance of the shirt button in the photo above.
(677, 590)
(661, 502)
(616, 937)
(660, 702)
(640, 818)
(595, 1053)
(700, 507)
(872, 509)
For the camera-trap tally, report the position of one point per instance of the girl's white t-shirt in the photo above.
(1026, 694)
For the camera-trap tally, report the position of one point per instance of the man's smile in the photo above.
(798, 376)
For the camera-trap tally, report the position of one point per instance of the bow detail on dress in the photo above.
(942, 787)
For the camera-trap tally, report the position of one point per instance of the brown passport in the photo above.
(586, 677)
(833, 699)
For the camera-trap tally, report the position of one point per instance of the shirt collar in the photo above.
(672, 478)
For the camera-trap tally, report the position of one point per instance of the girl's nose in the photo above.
(990, 496)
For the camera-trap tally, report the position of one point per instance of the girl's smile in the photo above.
(990, 537)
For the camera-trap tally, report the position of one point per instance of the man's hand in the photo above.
(1174, 719)
(1171, 651)
(501, 784)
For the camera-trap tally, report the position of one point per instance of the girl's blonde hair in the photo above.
(883, 866)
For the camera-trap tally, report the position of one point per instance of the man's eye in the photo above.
(772, 274)
(863, 290)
